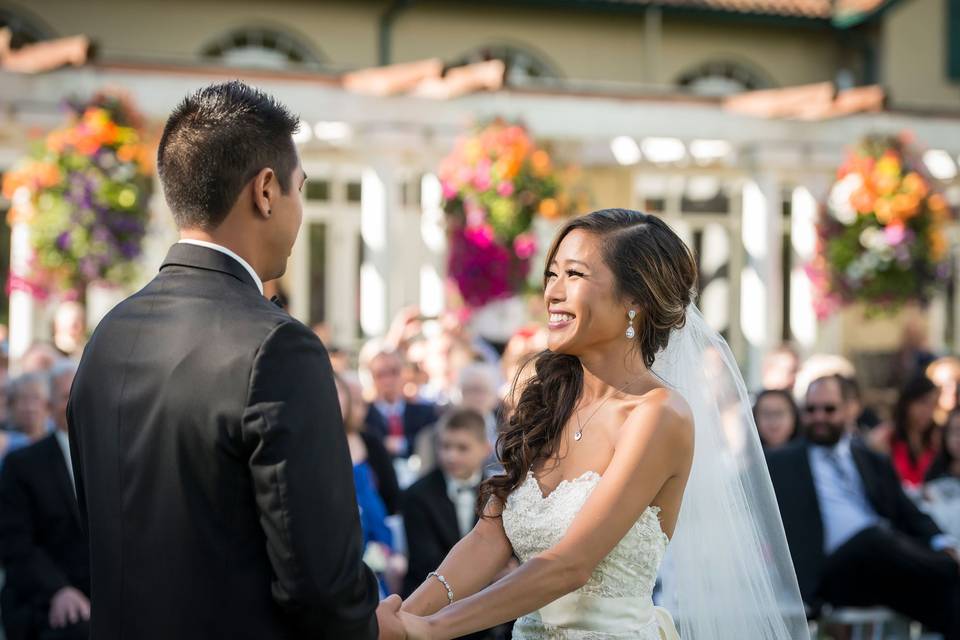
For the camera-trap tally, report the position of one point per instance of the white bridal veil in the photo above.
(728, 573)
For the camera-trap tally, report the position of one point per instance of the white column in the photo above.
(378, 205)
(23, 307)
(434, 238)
(761, 292)
(803, 235)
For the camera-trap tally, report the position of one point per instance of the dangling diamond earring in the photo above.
(631, 332)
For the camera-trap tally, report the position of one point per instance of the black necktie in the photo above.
(276, 300)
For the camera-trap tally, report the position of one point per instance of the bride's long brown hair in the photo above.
(651, 266)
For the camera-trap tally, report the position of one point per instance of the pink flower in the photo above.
(480, 236)
(476, 215)
(895, 234)
(481, 179)
(505, 189)
(525, 245)
(449, 190)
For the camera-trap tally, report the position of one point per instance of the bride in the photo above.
(634, 434)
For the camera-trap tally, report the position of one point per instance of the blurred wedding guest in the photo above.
(441, 507)
(945, 373)
(777, 418)
(40, 356)
(42, 545)
(942, 489)
(365, 448)
(821, 365)
(70, 328)
(478, 389)
(394, 419)
(860, 417)
(855, 537)
(947, 462)
(779, 368)
(913, 445)
(377, 536)
(30, 404)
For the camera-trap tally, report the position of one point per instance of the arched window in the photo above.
(23, 29)
(259, 47)
(522, 64)
(722, 78)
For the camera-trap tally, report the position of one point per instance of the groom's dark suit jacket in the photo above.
(212, 467)
(797, 496)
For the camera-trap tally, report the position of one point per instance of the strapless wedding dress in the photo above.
(616, 602)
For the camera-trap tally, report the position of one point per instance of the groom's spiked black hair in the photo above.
(214, 143)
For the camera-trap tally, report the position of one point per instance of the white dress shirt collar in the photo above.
(225, 251)
(64, 443)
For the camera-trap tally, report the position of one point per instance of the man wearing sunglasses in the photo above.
(855, 537)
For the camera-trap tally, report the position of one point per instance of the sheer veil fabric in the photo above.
(727, 573)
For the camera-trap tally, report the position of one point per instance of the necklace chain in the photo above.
(579, 434)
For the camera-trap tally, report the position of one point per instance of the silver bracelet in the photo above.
(444, 582)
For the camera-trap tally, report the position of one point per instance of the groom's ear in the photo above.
(265, 188)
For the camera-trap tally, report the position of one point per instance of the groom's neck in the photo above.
(236, 242)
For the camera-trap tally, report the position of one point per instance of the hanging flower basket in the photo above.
(881, 235)
(495, 182)
(84, 191)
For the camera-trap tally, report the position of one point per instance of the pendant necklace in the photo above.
(579, 434)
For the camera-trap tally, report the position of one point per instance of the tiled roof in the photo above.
(817, 9)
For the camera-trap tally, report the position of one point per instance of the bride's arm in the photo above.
(655, 445)
(470, 566)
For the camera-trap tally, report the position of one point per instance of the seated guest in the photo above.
(392, 418)
(478, 389)
(945, 373)
(30, 405)
(441, 507)
(942, 489)
(363, 446)
(947, 462)
(43, 547)
(776, 416)
(855, 537)
(913, 445)
(779, 368)
(377, 536)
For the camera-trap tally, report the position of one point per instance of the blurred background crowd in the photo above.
(807, 150)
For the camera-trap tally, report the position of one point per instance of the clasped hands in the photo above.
(400, 625)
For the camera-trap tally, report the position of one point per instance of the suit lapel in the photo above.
(446, 510)
(809, 490)
(867, 475)
(62, 476)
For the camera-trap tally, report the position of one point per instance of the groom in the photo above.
(211, 466)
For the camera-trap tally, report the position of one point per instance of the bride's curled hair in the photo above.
(653, 268)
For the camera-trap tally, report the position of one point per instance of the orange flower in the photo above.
(862, 200)
(540, 162)
(937, 203)
(549, 208)
(885, 184)
(913, 182)
(883, 210)
(905, 206)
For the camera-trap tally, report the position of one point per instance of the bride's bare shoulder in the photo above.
(660, 413)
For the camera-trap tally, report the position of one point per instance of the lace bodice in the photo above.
(534, 523)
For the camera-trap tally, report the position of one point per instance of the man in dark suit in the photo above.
(211, 464)
(855, 537)
(42, 545)
(441, 507)
(391, 417)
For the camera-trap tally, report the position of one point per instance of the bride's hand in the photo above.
(417, 628)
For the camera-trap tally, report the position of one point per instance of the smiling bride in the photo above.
(632, 441)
